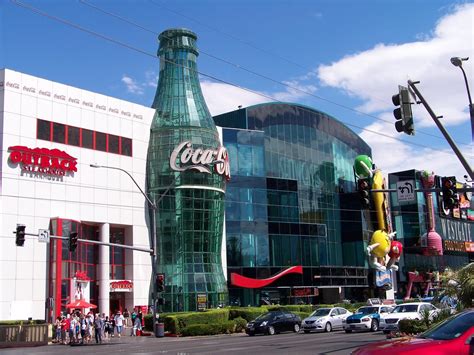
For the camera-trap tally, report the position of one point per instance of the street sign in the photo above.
(406, 191)
(43, 235)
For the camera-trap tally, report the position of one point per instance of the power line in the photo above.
(94, 33)
(250, 71)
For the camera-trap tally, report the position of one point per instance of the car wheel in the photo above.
(251, 334)
(296, 328)
(307, 331)
(374, 326)
(328, 327)
(271, 330)
(348, 331)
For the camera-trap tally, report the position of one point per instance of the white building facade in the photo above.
(51, 133)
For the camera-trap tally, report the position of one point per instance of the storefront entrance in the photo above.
(117, 302)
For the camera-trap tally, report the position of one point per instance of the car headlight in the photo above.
(319, 320)
(365, 319)
(264, 323)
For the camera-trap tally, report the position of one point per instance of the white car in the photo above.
(413, 310)
(325, 319)
(366, 318)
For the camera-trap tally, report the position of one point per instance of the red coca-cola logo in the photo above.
(43, 160)
(200, 159)
(121, 285)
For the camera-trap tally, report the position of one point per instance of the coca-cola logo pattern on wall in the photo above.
(43, 160)
(200, 159)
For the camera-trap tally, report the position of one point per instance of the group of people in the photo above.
(78, 328)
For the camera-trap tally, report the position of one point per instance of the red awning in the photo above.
(80, 304)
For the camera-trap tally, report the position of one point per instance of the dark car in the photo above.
(274, 322)
(453, 336)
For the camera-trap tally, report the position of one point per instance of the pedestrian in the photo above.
(112, 326)
(98, 325)
(137, 326)
(126, 316)
(107, 328)
(65, 324)
(119, 323)
(133, 316)
(57, 330)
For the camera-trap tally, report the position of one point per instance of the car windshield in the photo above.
(321, 312)
(367, 310)
(452, 328)
(403, 308)
(267, 316)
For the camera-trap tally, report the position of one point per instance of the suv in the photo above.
(366, 318)
(413, 310)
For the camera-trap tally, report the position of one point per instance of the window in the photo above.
(59, 133)
(113, 144)
(73, 136)
(87, 139)
(126, 146)
(44, 130)
(81, 137)
(101, 141)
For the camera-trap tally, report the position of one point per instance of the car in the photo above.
(413, 310)
(366, 318)
(274, 322)
(325, 319)
(453, 336)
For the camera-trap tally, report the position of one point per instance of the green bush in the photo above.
(247, 313)
(240, 324)
(175, 322)
(292, 308)
(412, 326)
(208, 329)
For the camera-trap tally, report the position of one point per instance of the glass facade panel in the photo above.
(73, 136)
(59, 133)
(304, 158)
(43, 130)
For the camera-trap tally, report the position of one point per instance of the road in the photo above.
(334, 343)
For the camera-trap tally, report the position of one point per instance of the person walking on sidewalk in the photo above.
(98, 325)
(119, 323)
(126, 316)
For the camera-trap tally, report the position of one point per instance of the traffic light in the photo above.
(363, 187)
(160, 282)
(403, 113)
(450, 192)
(20, 235)
(72, 241)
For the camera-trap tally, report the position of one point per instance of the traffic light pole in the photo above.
(446, 135)
(150, 251)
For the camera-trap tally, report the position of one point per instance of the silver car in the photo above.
(325, 319)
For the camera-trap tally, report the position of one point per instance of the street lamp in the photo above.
(457, 62)
(153, 205)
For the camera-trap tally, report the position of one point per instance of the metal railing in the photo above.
(23, 335)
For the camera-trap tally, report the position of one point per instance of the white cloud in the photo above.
(375, 74)
(132, 86)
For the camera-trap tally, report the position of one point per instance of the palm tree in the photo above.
(460, 283)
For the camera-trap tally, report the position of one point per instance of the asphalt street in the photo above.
(334, 343)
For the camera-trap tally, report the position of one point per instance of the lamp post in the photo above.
(457, 62)
(153, 206)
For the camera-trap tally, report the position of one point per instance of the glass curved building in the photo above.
(291, 202)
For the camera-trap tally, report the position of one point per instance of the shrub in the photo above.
(412, 326)
(208, 329)
(240, 324)
(247, 313)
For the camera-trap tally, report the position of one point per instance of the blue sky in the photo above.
(345, 58)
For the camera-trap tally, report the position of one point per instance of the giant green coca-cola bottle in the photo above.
(187, 169)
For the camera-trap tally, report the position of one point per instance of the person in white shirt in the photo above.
(119, 319)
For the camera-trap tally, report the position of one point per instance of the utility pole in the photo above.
(435, 118)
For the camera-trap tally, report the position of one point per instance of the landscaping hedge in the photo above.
(208, 329)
